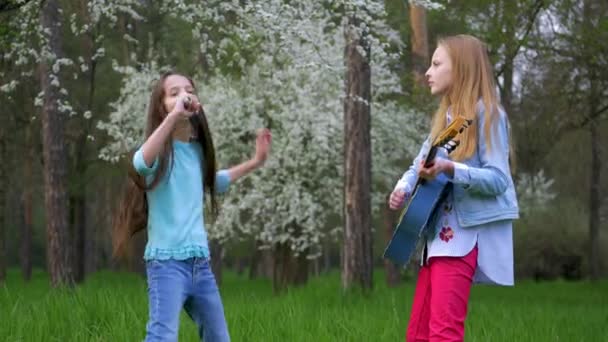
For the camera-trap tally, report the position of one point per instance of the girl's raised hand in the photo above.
(262, 146)
(185, 106)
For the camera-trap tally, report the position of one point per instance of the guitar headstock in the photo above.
(446, 137)
(451, 145)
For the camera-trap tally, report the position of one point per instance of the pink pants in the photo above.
(440, 301)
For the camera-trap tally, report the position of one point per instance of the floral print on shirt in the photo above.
(446, 233)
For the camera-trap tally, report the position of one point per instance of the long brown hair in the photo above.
(132, 214)
(472, 79)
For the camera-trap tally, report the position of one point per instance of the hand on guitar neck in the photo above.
(428, 172)
(437, 166)
(431, 166)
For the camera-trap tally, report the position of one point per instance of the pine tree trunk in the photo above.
(420, 43)
(54, 154)
(3, 187)
(594, 204)
(390, 220)
(25, 253)
(357, 266)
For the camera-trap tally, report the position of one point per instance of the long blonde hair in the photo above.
(472, 80)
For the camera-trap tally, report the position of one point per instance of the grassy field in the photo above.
(113, 307)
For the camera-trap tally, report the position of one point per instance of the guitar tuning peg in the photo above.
(450, 145)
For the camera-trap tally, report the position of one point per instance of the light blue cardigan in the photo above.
(484, 199)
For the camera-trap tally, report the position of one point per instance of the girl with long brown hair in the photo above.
(470, 239)
(170, 175)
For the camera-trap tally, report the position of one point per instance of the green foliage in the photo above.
(551, 243)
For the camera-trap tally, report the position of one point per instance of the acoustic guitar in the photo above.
(425, 199)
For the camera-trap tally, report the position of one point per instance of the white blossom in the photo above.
(9, 87)
(534, 192)
(295, 85)
(428, 4)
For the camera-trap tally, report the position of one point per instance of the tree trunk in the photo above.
(27, 206)
(288, 269)
(256, 257)
(594, 203)
(357, 256)
(78, 223)
(420, 43)
(54, 153)
(3, 187)
(78, 206)
(590, 11)
(391, 270)
(507, 88)
(326, 257)
(217, 255)
(123, 22)
(510, 53)
(109, 207)
(266, 266)
(78, 212)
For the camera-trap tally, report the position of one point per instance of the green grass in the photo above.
(113, 307)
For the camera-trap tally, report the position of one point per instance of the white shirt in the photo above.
(494, 243)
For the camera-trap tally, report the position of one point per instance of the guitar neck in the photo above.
(428, 161)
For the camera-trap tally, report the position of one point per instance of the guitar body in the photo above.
(416, 217)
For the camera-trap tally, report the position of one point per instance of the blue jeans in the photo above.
(173, 284)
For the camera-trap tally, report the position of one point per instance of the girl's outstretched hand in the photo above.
(262, 146)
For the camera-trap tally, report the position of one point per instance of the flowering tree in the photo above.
(295, 87)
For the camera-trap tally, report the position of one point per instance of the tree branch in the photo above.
(538, 5)
(580, 124)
